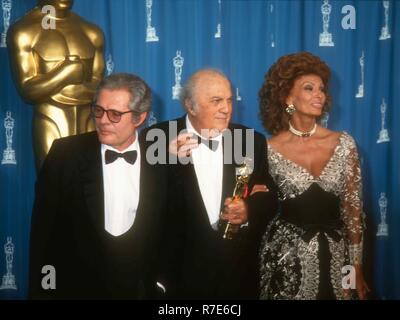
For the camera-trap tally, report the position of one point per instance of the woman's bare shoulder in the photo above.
(328, 134)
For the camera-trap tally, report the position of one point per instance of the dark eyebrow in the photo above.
(111, 109)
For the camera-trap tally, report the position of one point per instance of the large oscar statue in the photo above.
(57, 61)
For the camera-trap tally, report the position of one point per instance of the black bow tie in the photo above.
(211, 144)
(129, 156)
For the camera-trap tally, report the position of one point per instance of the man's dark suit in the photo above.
(68, 230)
(197, 262)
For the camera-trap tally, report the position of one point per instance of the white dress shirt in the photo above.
(121, 182)
(208, 166)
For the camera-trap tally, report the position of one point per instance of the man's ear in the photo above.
(139, 119)
(190, 107)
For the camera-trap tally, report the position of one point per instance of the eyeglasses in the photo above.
(112, 115)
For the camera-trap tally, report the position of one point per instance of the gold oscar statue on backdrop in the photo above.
(57, 62)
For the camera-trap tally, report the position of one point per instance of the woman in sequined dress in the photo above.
(319, 229)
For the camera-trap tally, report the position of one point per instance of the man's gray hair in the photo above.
(139, 91)
(189, 88)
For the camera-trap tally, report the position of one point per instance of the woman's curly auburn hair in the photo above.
(278, 82)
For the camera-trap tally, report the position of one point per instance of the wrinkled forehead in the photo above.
(212, 84)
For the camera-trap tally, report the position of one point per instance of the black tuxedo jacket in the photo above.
(196, 263)
(68, 230)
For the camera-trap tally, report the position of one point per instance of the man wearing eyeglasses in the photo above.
(97, 205)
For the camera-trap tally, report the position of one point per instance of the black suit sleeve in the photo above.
(173, 238)
(43, 221)
(262, 206)
(172, 231)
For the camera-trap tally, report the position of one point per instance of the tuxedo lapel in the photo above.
(229, 174)
(147, 183)
(187, 175)
(180, 124)
(90, 167)
(190, 178)
(187, 172)
(91, 173)
(143, 177)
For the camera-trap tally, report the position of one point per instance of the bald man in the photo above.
(198, 262)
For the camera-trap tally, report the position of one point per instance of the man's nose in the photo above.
(104, 118)
(226, 105)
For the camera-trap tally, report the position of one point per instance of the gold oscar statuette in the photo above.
(229, 231)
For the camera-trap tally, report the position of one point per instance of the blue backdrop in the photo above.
(242, 38)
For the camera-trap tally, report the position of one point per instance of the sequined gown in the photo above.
(319, 227)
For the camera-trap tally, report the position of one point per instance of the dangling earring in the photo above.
(290, 109)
